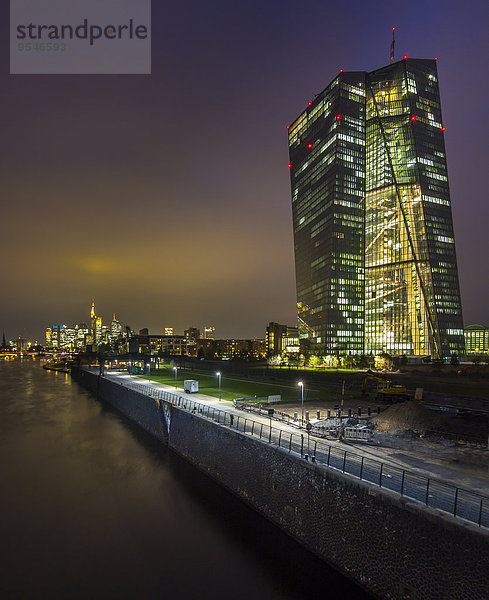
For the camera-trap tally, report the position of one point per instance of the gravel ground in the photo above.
(399, 437)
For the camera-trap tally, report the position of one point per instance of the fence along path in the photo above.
(459, 502)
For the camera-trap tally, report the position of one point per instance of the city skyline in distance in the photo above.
(168, 196)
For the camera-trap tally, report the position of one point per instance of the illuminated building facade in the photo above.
(115, 329)
(412, 291)
(82, 332)
(167, 344)
(209, 332)
(192, 334)
(228, 349)
(281, 338)
(476, 339)
(374, 243)
(327, 169)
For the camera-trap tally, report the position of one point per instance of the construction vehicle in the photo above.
(386, 390)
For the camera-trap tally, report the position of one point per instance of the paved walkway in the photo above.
(436, 464)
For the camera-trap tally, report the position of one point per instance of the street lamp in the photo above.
(219, 379)
(301, 384)
(176, 371)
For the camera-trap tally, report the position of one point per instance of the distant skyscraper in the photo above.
(57, 336)
(192, 334)
(209, 332)
(115, 329)
(375, 255)
(82, 332)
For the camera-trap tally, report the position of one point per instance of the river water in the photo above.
(92, 507)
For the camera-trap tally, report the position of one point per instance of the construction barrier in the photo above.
(323, 431)
(357, 433)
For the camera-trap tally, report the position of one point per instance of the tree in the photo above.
(314, 361)
(364, 362)
(331, 361)
(274, 361)
(384, 361)
(209, 353)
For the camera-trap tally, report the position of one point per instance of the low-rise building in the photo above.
(175, 345)
(476, 339)
(282, 338)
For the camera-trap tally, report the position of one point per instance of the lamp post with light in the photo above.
(219, 379)
(175, 369)
(301, 385)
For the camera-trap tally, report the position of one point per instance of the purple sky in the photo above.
(167, 198)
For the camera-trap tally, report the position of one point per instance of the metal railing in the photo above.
(434, 493)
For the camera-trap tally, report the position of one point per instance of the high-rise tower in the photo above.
(376, 267)
(327, 167)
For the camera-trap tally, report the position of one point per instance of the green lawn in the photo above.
(441, 382)
(449, 384)
(238, 387)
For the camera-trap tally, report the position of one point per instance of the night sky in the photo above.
(167, 197)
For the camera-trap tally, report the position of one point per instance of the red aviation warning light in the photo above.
(443, 128)
(405, 57)
(309, 103)
(413, 118)
(288, 126)
(310, 145)
(338, 117)
(341, 70)
(290, 165)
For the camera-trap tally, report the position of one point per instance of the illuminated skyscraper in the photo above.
(374, 243)
(115, 329)
(209, 332)
(327, 167)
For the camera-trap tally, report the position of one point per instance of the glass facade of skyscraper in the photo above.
(391, 196)
(327, 164)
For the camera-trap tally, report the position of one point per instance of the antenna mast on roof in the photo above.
(393, 44)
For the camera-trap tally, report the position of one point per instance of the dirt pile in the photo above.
(407, 416)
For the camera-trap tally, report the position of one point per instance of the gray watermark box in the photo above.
(80, 37)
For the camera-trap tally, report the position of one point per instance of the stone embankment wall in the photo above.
(394, 548)
(138, 407)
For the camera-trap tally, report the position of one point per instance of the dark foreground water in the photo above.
(91, 507)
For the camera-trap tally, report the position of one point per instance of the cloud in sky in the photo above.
(167, 198)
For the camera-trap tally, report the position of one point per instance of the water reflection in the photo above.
(92, 507)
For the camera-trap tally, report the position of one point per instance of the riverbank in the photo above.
(393, 546)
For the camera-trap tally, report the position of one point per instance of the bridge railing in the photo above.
(457, 501)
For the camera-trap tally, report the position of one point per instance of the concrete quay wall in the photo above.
(394, 548)
(140, 408)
